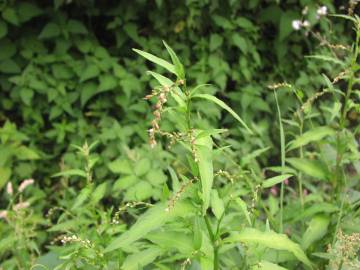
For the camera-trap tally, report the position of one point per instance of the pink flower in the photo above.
(274, 191)
(25, 183)
(286, 181)
(3, 214)
(9, 188)
(305, 192)
(21, 205)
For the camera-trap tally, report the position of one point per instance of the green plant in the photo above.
(198, 209)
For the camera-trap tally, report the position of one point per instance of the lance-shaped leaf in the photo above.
(172, 240)
(312, 168)
(269, 239)
(156, 60)
(176, 93)
(152, 219)
(265, 265)
(140, 259)
(313, 135)
(223, 105)
(275, 180)
(179, 68)
(203, 148)
(316, 230)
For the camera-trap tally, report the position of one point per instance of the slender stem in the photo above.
(213, 239)
(338, 181)
(351, 78)
(282, 148)
(301, 195)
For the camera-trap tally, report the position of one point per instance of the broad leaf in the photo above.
(269, 239)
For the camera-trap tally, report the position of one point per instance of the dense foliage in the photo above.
(244, 153)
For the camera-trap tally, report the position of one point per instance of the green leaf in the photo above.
(197, 240)
(82, 197)
(27, 11)
(61, 71)
(88, 90)
(141, 191)
(26, 95)
(73, 172)
(169, 240)
(142, 167)
(317, 208)
(152, 219)
(99, 193)
(5, 174)
(9, 66)
(316, 230)
(9, 14)
(69, 225)
(244, 209)
(164, 81)
(275, 180)
(265, 265)
(312, 168)
(120, 165)
(107, 82)
(91, 71)
(3, 29)
(161, 62)
(217, 204)
(224, 106)
(8, 48)
(203, 148)
(215, 41)
(327, 59)
(240, 42)
(313, 135)
(285, 27)
(50, 30)
(140, 259)
(269, 239)
(26, 153)
(124, 182)
(76, 27)
(179, 68)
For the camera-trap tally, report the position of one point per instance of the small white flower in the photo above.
(322, 11)
(306, 23)
(296, 24)
(9, 188)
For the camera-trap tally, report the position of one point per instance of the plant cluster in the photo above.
(231, 161)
